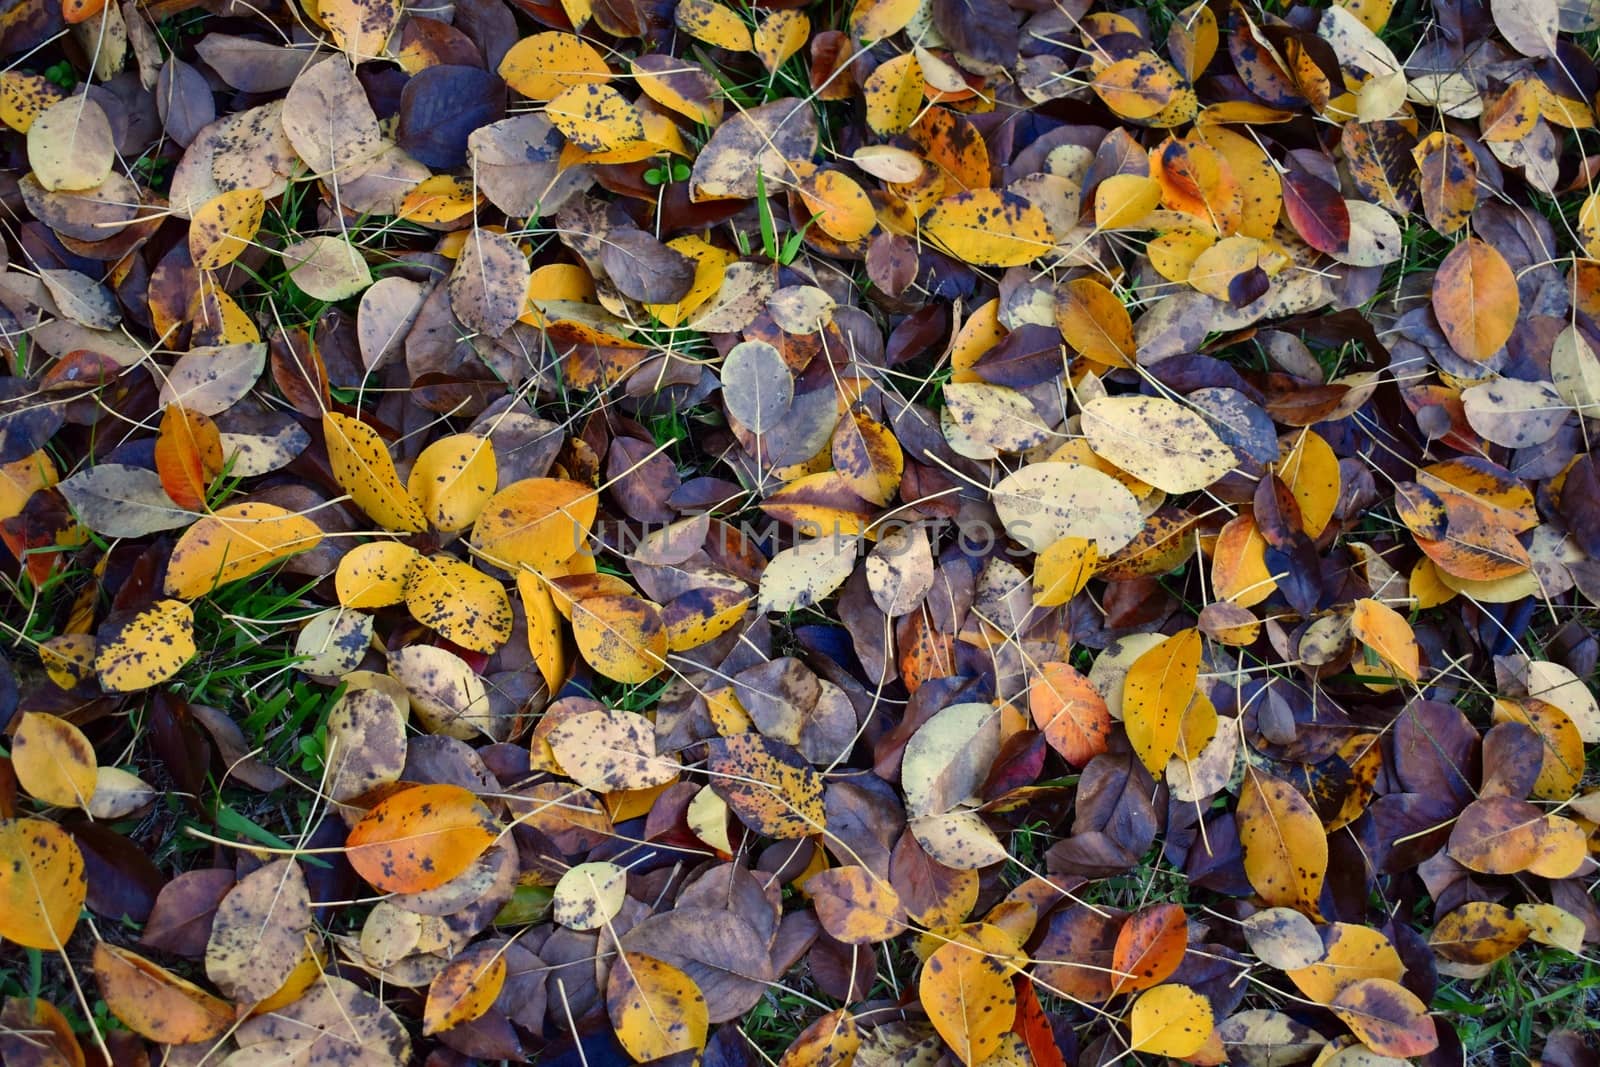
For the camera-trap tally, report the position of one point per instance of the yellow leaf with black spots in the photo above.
(463, 604)
(144, 648)
(373, 575)
(655, 1008)
(596, 118)
(42, 884)
(363, 468)
(453, 479)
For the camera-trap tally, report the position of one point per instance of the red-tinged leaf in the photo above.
(1034, 1027)
(1316, 210)
(188, 456)
(1070, 713)
(1149, 947)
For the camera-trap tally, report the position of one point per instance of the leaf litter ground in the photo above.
(914, 532)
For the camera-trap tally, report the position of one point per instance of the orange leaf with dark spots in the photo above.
(420, 838)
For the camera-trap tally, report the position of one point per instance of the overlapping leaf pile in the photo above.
(983, 532)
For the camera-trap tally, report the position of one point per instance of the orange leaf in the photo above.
(155, 1003)
(1149, 947)
(1475, 300)
(420, 838)
(188, 456)
(1070, 712)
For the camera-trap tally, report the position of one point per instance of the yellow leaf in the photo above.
(155, 1003)
(234, 541)
(622, 637)
(1171, 1020)
(1562, 763)
(1155, 692)
(678, 85)
(1174, 253)
(148, 647)
(832, 1041)
(1063, 569)
(855, 905)
(1387, 1017)
(373, 575)
(363, 468)
(463, 604)
(713, 23)
(838, 205)
(596, 118)
(42, 884)
(465, 989)
(223, 227)
(361, 28)
(868, 456)
(1477, 932)
(780, 35)
(1551, 925)
(1137, 87)
(967, 992)
(441, 198)
(989, 228)
(1285, 846)
(702, 615)
(21, 478)
(544, 630)
(656, 1009)
(711, 265)
(1095, 322)
(874, 20)
(1123, 200)
(545, 65)
(24, 97)
(893, 92)
(53, 761)
(68, 658)
(1239, 571)
(535, 522)
(769, 786)
(420, 838)
(1308, 466)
